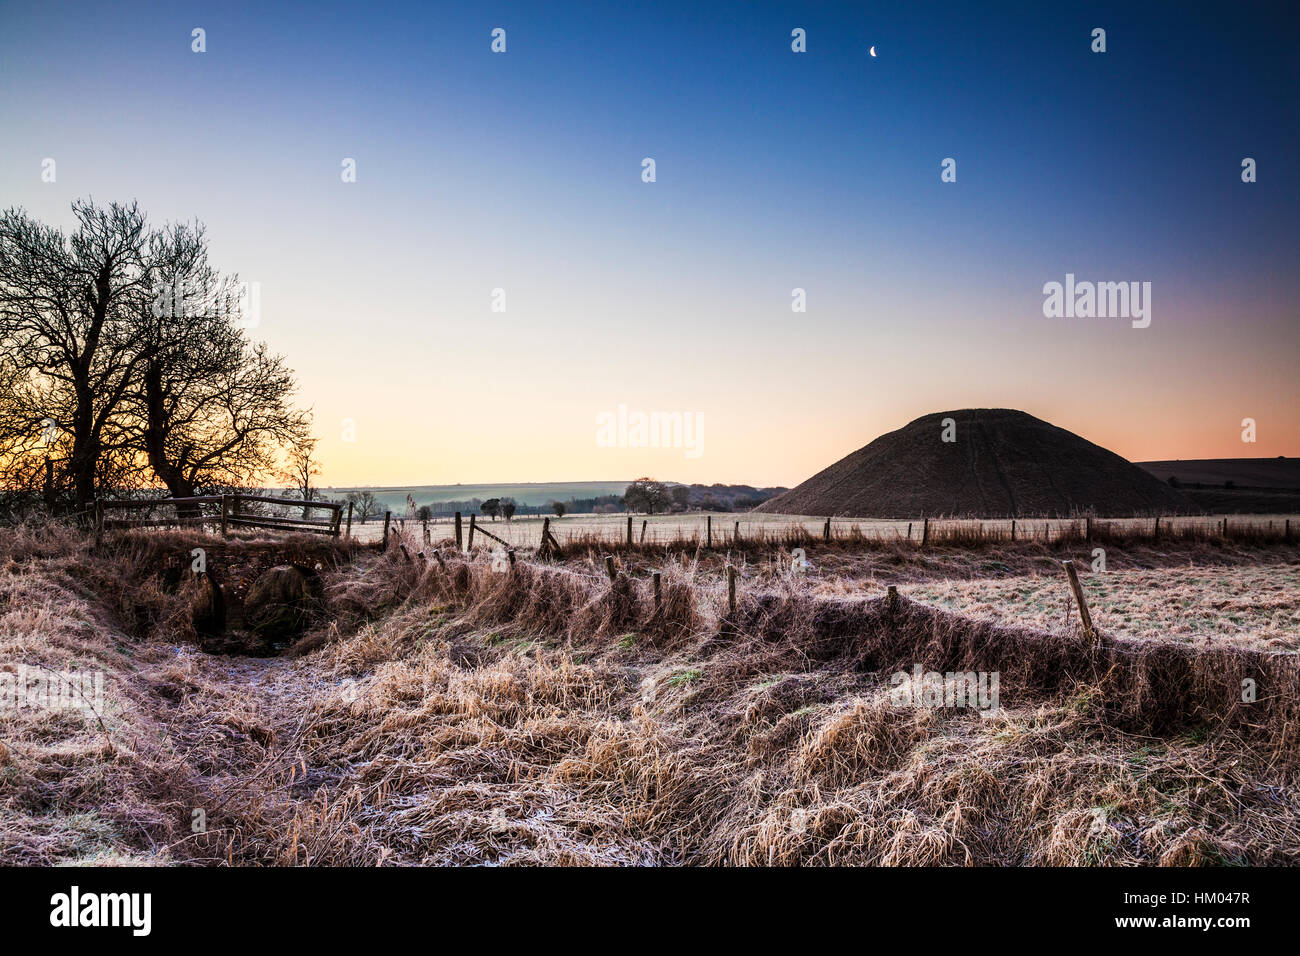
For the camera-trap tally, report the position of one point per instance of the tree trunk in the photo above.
(85, 453)
(170, 473)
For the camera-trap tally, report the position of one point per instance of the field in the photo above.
(1249, 605)
(464, 711)
(1234, 485)
(525, 493)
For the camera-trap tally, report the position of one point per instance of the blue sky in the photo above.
(775, 170)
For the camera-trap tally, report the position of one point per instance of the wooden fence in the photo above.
(222, 512)
(750, 530)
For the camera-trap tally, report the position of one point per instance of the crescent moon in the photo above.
(872, 51)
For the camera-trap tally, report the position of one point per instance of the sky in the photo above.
(774, 170)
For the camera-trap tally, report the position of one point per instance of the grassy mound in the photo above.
(999, 463)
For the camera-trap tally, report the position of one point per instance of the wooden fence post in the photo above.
(610, 569)
(387, 518)
(470, 546)
(644, 523)
(708, 531)
(549, 544)
(1084, 616)
(629, 530)
(731, 589)
(511, 555)
(909, 531)
(659, 594)
(1013, 529)
(225, 513)
(458, 539)
(826, 531)
(891, 598)
(735, 538)
(349, 519)
(925, 532)
(1287, 534)
(425, 522)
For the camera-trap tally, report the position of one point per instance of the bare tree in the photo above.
(123, 362)
(301, 468)
(66, 331)
(365, 505)
(211, 407)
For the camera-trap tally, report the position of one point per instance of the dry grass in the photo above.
(462, 714)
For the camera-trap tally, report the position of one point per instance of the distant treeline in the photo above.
(571, 506)
(719, 497)
(716, 497)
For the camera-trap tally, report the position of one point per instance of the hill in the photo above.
(1229, 472)
(1234, 485)
(1003, 463)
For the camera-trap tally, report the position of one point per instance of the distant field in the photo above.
(1244, 501)
(526, 493)
(1247, 606)
(1243, 472)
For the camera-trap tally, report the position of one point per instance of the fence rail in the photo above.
(221, 512)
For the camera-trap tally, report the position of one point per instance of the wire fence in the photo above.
(730, 529)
